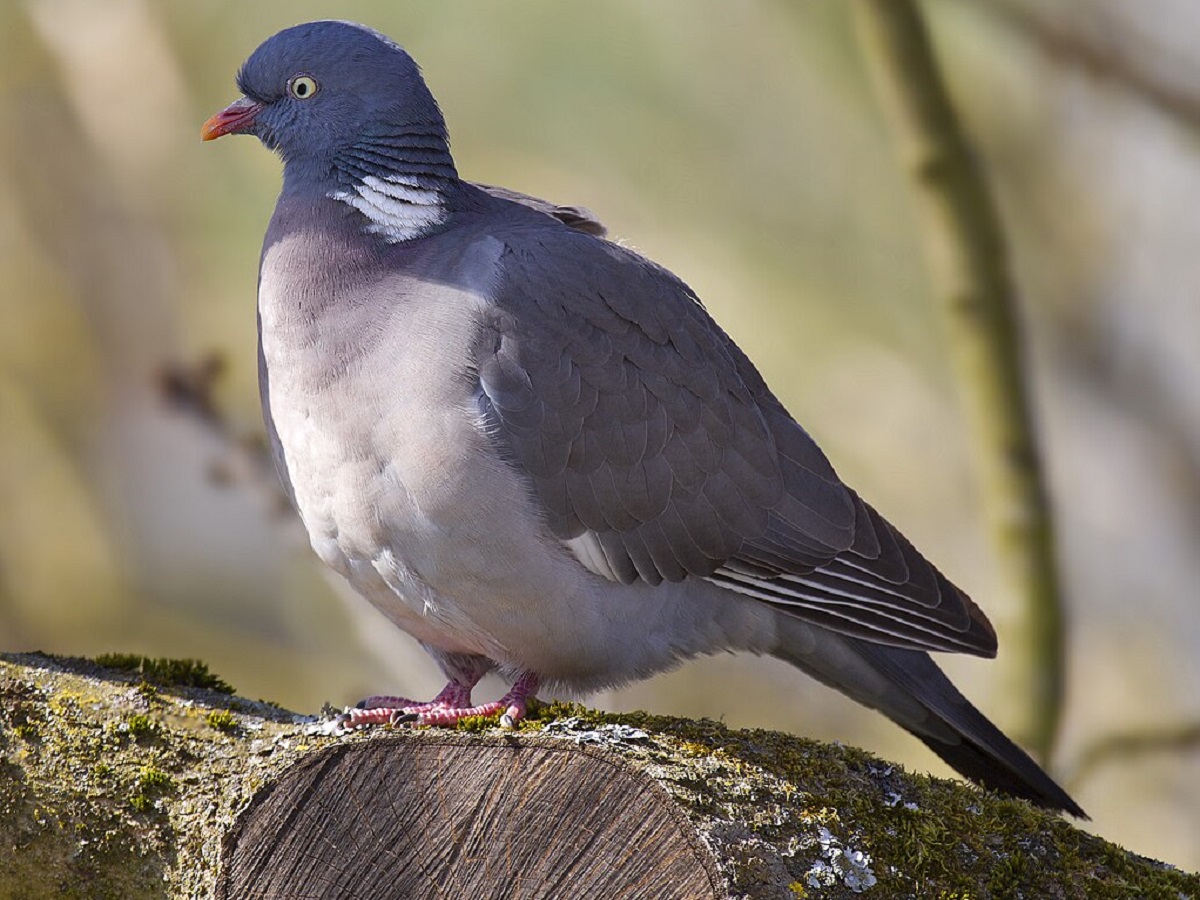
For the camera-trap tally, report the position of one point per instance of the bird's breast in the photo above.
(370, 402)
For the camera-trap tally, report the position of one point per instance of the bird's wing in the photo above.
(657, 451)
(579, 218)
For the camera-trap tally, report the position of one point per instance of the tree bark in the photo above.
(130, 784)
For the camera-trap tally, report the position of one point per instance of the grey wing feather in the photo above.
(649, 436)
(578, 218)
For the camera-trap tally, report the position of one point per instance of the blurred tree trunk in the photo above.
(969, 264)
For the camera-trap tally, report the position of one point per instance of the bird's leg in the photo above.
(511, 707)
(447, 708)
(382, 709)
(455, 694)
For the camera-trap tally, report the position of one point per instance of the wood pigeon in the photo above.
(534, 450)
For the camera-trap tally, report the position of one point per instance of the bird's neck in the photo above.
(399, 180)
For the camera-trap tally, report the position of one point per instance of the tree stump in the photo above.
(458, 817)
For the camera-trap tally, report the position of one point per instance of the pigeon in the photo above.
(534, 450)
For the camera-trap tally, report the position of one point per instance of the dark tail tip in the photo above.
(964, 737)
(1006, 768)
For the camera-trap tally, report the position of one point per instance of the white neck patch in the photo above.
(398, 208)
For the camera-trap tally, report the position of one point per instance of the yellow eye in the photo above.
(302, 86)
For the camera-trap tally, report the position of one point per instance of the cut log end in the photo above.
(416, 819)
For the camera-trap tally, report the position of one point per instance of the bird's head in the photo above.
(313, 91)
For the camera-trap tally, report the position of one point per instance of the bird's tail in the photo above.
(909, 688)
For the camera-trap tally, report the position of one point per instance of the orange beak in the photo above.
(237, 118)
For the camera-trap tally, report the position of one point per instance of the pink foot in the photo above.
(447, 708)
(453, 694)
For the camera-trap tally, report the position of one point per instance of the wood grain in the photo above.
(441, 819)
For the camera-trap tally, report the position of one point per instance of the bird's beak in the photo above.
(237, 118)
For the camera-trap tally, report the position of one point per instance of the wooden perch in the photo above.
(155, 782)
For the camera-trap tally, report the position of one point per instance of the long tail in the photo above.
(909, 688)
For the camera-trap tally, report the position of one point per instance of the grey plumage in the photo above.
(533, 448)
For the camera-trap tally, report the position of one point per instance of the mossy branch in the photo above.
(129, 784)
(969, 266)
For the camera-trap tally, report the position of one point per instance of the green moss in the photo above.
(925, 837)
(90, 808)
(152, 779)
(222, 720)
(475, 724)
(166, 672)
(151, 784)
(147, 691)
(142, 728)
(141, 802)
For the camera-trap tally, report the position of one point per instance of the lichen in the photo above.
(100, 739)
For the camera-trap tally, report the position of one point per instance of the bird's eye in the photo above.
(302, 86)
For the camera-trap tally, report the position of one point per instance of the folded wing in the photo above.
(657, 451)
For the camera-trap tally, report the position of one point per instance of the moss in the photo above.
(166, 672)
(475, 724)
(222, 720)
(756, 793)
(152, 779)
(93, 812)
(151, 785)
(147, 691)
(142, 728)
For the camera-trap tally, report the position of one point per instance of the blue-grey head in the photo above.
(345, 107)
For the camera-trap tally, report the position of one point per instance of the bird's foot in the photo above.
(453, 694)
(448, 708)
(383, 709)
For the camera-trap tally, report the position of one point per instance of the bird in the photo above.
(534, 450)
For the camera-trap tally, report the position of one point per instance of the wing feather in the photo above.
(658, 452)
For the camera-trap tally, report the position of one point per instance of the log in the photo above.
(153, 780)
(465, 816)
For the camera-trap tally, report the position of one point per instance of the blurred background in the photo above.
(740, 145)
